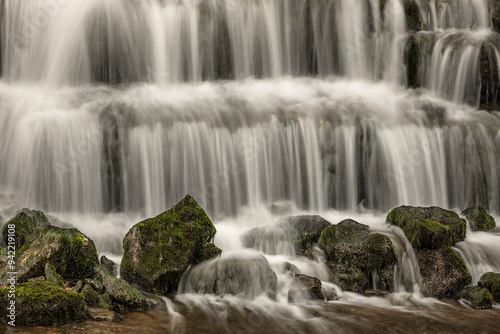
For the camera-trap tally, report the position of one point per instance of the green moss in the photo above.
(491, 281)
(28, 225)
(429, 227)
(106, 302)
(480, 298)
(45, 303)
(90, 295)
(479, 219)
(158, 250)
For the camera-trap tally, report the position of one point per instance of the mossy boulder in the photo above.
(479, 219)
(124, 297)
(246, 274)
(28, 226)
(109, 265)
(491, 281)
(70, 252)
(443, 272)
(479, 298)
(157, 251)
(305, 287)
(354, 255)
(44, 303)
(429, 227)
(52, 276)
(295, 233)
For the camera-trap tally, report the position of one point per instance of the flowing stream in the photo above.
(112, 111)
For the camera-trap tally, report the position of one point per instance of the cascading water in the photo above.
(112, 111)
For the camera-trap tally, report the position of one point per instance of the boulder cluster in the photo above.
(60, 278)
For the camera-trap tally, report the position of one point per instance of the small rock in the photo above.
(78, 287)
(101, 314)
(289, 267)
(95, 284)
(52, 276)
(491, 281)
(305, 286)
(109, 265)
(90, 295)
(106, 302)
(37, 279)
(479, 298)
(479, 219)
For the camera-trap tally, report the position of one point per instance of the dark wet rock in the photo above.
(305, 287)
(444, 273)
(479, 219)
(28, 226)
(495, 15)
(489, 97)
(124, 296)
(429, 227)
(154, 302)
(300, 233)
(354, 255)
(90, 295)
(491, 281)
(412, 14)
(479, 298)
(109, 265)
(52, 276)
(102, 314)
(44, 303)
(105, 301)
(291, 268)
(243, 274)
(70, 252)
(157, 251)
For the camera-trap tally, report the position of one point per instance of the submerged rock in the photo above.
(479, 298)
(429, 227)
(70, 252)
(479, 219)
(443, 272)
(245, 274)
(157, 251)
(354, 255)
(491, 281)
(305, 287)
(102, 314)
(28, 226)
(294, 234)
(44, 303)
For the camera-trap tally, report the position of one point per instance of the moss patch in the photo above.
(491, 281)
(429, 227)
(44, 303)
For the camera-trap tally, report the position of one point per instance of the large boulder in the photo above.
(70, 252)
(443, 272)
(297, 234)
(246, 274)
(479, 219)
(43, 303)
(28, 224)
(354, 255)
(157, 251)
(429, 227)
(479, 298)
(491, 281)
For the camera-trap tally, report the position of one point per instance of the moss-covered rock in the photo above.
(479, 219)
(105, 301)
(479, 298)
(90, 295)
(109, 265)
(52, 275)
(44, 303)
(354, 255)
(443, 272)
(305, 287)
(28, 226)
(95, 284)
(299, 233)
(158, 250)
(245, 274)
(491, 281)
(72, 254)
(125, 297)
(429, 227)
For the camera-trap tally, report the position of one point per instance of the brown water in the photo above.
(450, 317)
